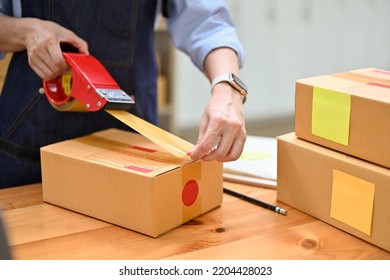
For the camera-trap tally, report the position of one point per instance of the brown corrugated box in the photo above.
(344, 191)
(3, 69)
(364, 117)
(123, 178)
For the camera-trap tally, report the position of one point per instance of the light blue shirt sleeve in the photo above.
(199, 26)
(196, 27)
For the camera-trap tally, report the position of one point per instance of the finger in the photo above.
(72, 39)
(202, 130)
(222, 149)
(41, 66)
(57, 62)
(230, 146)
(82, 46)
(234, 150)
(206, 142)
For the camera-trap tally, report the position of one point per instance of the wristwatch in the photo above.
(233, 81)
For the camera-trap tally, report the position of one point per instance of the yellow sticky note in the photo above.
(352, 201)
(331, 115)
(256, 155)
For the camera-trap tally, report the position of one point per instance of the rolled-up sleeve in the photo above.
(199, 26)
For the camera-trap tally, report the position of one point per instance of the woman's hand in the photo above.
(222, 131)
(42, 40)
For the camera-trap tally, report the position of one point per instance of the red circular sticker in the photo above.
(190, 193)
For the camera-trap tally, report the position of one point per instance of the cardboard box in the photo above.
(162, 91)
(2, 79)
(348, 112)
(344, 191)
(4, 62)
(123, 178)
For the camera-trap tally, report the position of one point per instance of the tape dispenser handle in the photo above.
(56, 94)
(86, 75)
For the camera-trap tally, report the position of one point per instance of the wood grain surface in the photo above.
(236, 230)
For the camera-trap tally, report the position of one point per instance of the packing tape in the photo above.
(191, 192)
(169, 142)
(191, 175)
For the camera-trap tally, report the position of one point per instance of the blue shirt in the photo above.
(196, 27)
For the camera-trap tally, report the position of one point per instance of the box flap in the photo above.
(370, 83)
(124, 150)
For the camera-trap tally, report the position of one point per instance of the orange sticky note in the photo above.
(352, 201)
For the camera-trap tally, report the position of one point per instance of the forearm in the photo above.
(12, 38)
(42, 40)
(221, 61)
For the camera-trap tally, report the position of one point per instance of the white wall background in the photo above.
(286, 40)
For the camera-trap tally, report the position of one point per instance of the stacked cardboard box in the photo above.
(336, 166)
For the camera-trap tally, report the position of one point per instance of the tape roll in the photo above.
(74, 106)
(58, 93)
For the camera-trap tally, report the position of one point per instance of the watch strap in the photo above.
(228, 79)
(220, 79)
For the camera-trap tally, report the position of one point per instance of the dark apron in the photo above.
(120, 35)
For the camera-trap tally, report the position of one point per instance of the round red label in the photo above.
(190, 193)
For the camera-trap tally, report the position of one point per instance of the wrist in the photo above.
(225, 91)
(234, 82)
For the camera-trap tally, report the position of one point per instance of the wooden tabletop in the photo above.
(236, 230)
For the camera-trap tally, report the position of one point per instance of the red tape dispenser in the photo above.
(88, 87)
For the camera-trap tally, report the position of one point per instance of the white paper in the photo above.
(257, 163)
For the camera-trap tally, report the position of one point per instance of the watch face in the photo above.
(239, 82)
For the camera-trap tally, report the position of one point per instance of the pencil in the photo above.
(257, 202)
